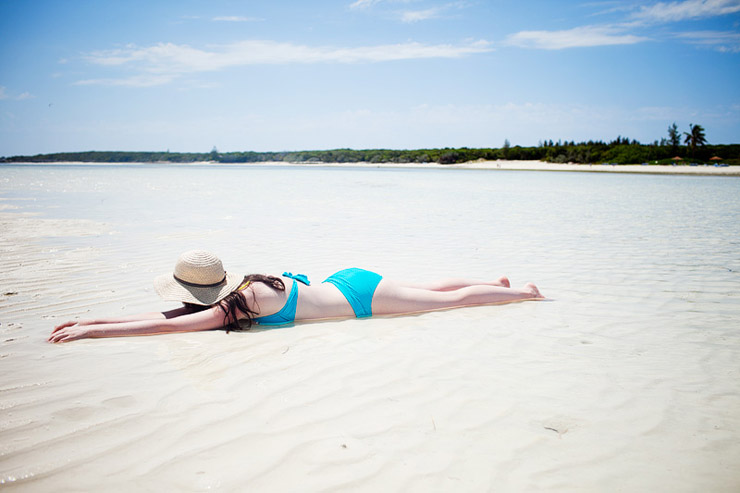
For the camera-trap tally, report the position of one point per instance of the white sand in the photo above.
(545, 166)
(626, 381)
(482, 164)
(606, 168)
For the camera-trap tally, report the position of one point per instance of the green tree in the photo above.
(507, 146)
(674, 137)
(214, 154)
(695, 137)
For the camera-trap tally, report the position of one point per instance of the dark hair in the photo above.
(236, 302)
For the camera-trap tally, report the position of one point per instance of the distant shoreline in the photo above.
(657, 169)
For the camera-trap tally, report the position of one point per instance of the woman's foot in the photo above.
(530, 288)
(503, 281)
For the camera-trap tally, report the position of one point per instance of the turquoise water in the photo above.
(638, 349)
(560, 224)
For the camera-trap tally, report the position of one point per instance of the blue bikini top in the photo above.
(286, 315)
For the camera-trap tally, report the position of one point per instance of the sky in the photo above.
(187, 75)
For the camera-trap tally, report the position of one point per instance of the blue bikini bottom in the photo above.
(358, 286)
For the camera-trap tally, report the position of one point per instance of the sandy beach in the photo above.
(606, 168)
(626, 379)
(545, 166)
(655, 169)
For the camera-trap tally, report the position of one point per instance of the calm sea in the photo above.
(638, 349)
(562, 228)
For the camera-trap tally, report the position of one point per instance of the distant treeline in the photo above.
(619, 151)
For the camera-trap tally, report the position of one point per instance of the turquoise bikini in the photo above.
(286, 315)
(357, 285)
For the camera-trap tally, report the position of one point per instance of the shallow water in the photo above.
(627, 379)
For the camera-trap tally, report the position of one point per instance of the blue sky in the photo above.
(287, 75)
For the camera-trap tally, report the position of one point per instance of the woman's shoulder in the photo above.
(261, 290)
(263, 298)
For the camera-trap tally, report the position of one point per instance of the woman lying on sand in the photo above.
(213, 299)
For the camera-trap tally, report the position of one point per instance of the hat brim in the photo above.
(170, 289)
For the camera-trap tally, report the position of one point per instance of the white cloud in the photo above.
(435, 12)
(164, 62)
(608, 7)
(421, 15)
(584, 36)
(363, 4)
(235, 18)
(134, 81)
(687, 9)
(722, 41)
(4, 95)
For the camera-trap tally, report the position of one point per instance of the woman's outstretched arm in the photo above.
(127, 318)
(211, 318)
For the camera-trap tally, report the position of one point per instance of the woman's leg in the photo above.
(393, 298)
(457, 283)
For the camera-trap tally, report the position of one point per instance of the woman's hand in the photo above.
(73, 322)
(70, 331)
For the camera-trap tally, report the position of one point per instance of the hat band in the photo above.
(196, 285)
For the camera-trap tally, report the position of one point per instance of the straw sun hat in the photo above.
(199, 278)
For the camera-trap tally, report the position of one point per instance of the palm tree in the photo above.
(695, 138)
